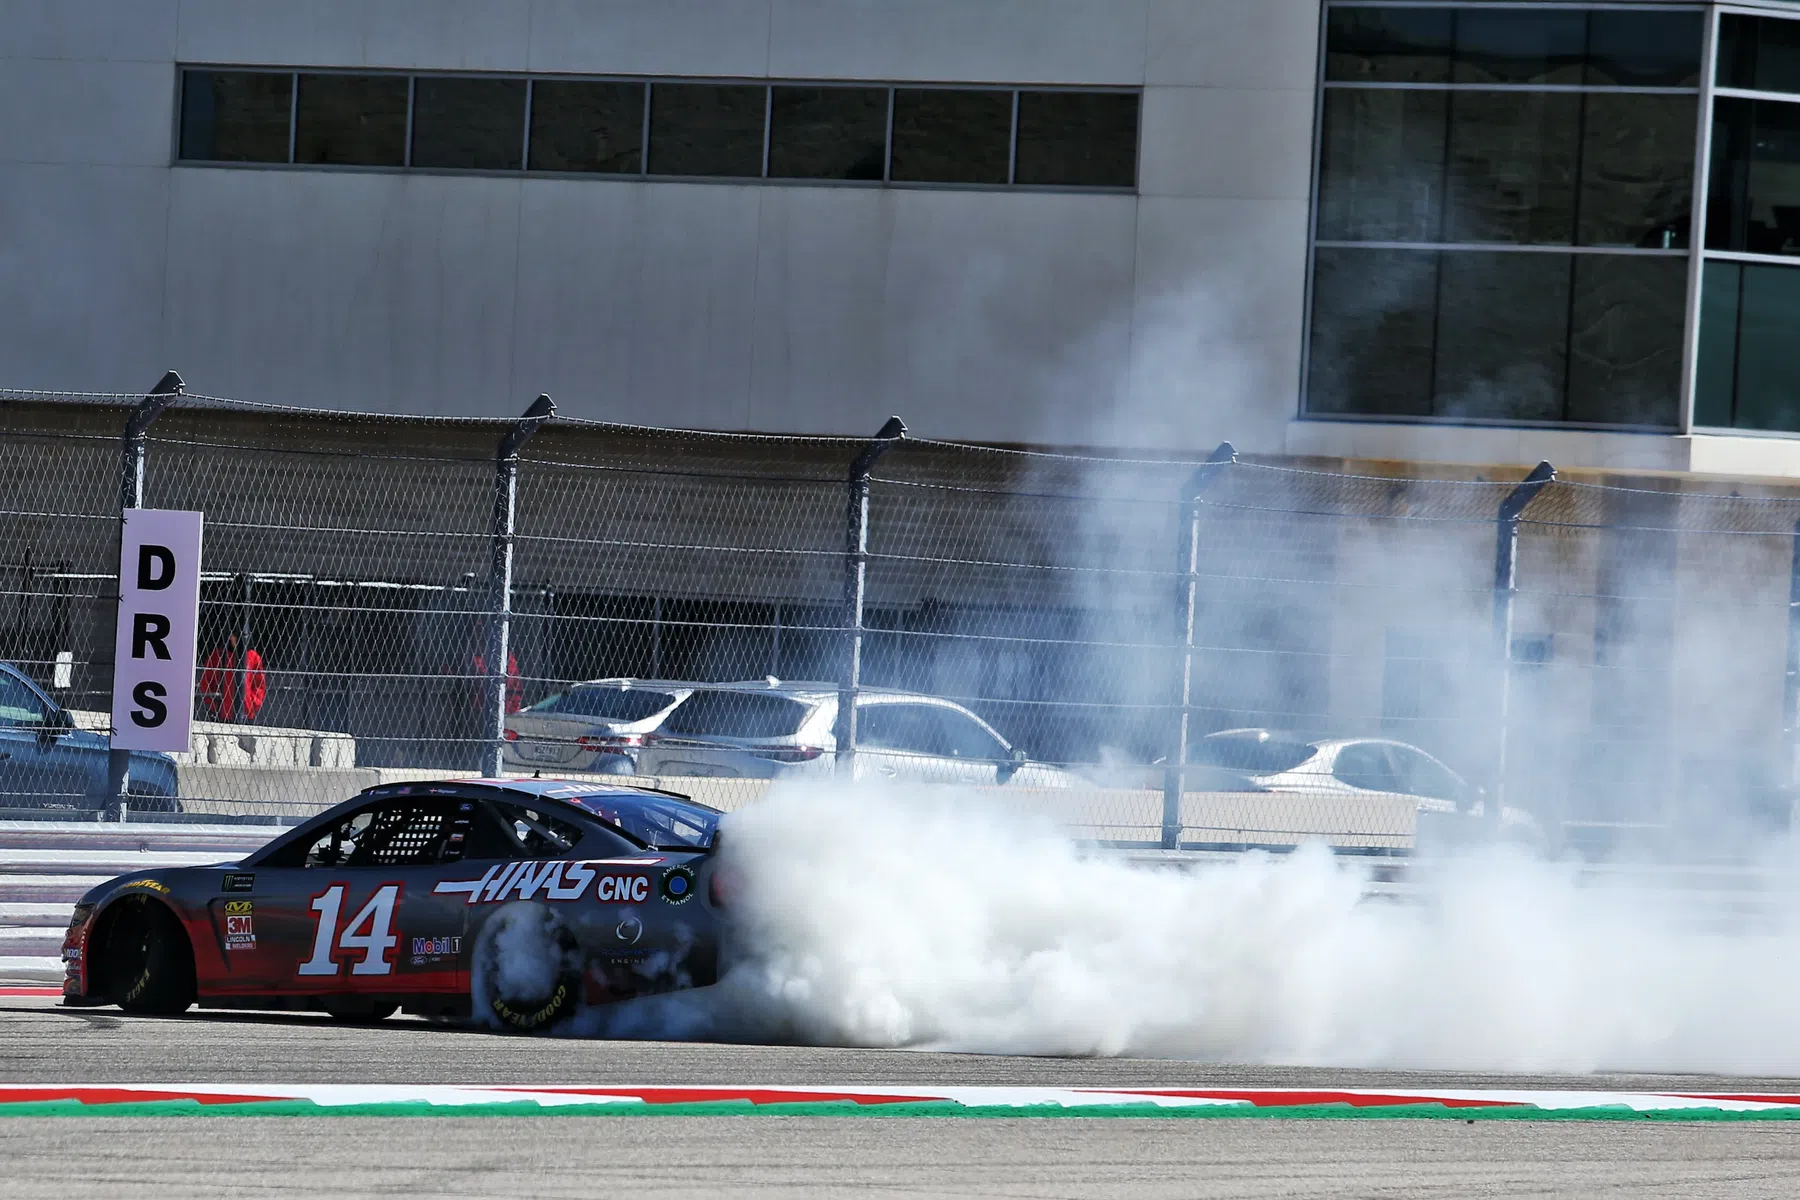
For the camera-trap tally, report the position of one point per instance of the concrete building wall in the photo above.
(1172, 316)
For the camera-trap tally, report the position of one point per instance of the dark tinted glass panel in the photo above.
(707, 129)
(1716, 377)
(1527, 46)
(737, 715)
(591, 127)
(1761, 53)
(1381, 170)
(1644, 49)
(1077, 139)
(1503, 331)
(1512, 167)
(1372, 332)
(1637, 170)
(945, 136)
(354, 120)
(477, 124)
(1388, 45)
(828, 133)
(1768, 385)
(1625, 339)
(1754, 203)
(235, 116)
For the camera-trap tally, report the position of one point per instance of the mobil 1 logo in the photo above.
(159, 612)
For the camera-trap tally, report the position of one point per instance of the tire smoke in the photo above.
(950, 922)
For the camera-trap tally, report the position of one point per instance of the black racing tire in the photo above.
(149, 961)
(359, 1010)
(540, 985)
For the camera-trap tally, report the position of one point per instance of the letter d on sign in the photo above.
(159, 617)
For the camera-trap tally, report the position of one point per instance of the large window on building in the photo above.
(587, 126)
(984, 135)
(352, 120)
(236, 116)
(1747, 375)
(707, 129)
(952, 135)
(828, 132)
(1504, 202)
(471, 124)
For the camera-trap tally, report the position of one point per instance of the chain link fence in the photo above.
(1158, 653)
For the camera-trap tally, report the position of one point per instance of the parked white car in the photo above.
(774, 730)
(596, 726)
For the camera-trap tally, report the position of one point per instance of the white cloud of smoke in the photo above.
(946, 922)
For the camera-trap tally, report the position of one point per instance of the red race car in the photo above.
(515, 899)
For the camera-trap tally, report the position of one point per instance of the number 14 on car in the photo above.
(370, 931)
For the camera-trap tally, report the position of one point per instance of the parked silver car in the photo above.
(597, 726)
(1263, 760)
(775, 729)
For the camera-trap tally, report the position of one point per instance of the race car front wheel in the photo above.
(526, 973)
(150, 966)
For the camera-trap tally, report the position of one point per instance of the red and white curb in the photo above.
(983, 1100)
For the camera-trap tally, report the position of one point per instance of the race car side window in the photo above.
(402, 832)
(535, 833)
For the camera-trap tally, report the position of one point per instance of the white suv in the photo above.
(775, 729)
(598, 726)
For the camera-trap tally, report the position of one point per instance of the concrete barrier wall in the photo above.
(217, 743)
(1132, 816)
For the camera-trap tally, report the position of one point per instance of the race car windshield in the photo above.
(658, 822)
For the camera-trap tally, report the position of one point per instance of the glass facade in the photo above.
(1744, 370)
(1503, 223)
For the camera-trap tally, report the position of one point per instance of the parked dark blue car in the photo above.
(46, 762)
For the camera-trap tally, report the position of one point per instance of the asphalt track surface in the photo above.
(801, 1156)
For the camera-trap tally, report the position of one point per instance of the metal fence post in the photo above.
(856, 572)
(1506, 568)
(1175, 773)
(1790, 707)
(499, 630)
(131, 495)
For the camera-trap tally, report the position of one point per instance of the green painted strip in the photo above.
(937, 1109)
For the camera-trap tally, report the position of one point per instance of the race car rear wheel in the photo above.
(149, 963)
(526, 973)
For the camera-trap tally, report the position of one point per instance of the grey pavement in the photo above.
(796, 1156)
(900, 1158)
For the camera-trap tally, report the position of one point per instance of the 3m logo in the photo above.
(240, 928)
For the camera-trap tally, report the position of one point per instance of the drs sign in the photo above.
(159, 611)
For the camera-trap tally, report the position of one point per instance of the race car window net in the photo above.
(605, 702)
(397, 833)
(737, 715)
